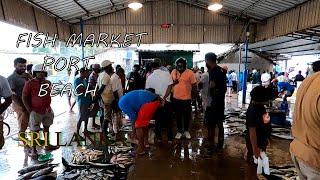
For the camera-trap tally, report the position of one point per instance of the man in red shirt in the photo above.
(38, 104)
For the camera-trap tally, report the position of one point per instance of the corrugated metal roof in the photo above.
(73, 10)
(291, 46)
(259, 9)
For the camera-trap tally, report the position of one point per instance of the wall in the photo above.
(306, 15)
(190, 24)
(20, 13)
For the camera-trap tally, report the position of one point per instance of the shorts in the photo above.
(84, 112)
(36, 120)
(146, 113)
(95, 109)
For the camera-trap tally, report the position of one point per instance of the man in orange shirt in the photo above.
(184, 89)
(305, 148)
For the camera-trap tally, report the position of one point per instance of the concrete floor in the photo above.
(181, 160)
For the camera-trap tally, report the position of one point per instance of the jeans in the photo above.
(183, 112)
(23, 116)
(213, 118)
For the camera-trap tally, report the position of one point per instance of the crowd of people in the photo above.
(175, 89)
(164, 94)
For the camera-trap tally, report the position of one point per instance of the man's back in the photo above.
(306, 123)
(107, 94)
(159, 80)
(299, 77)
(234, 76)
(217, 83)
(137, 98)
(135, 81)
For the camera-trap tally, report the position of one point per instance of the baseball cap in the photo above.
(105, 63)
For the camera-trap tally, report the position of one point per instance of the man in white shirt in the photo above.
(265, 79)
(204, 90)
(161, 82)
(282, 77)
(197, 102)
(234, 79)
(106, 94)
(117, 93)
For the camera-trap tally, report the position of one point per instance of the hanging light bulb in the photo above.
(216, 6)
(135, 5)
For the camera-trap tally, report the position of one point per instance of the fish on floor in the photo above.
(42, 172)
(33, 168)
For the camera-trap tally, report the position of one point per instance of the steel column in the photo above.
(245, 72)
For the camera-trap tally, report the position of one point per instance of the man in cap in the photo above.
(6, 93)
(305, 148)
(17, 81)
(106, 94)
(39, 107)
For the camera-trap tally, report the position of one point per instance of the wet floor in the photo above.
(183, 159)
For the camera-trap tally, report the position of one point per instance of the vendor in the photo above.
(140, 106)
(285, 89)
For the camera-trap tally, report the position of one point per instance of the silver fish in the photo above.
(71, 165)
(100, 164)
(27, 175)
(43, 172)
(33, 168)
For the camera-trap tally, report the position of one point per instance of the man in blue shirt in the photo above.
(286, 89)
(140, 106)
(131, 102)
(84, 100)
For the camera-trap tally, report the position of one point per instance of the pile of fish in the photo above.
(283, 172)
(122, 160)
(231, 112)
(86, 156)
(283, 133)
(36, 171)
(94, 173)
(234, 126)
(94, 164)
(126, 128)
(120, 149)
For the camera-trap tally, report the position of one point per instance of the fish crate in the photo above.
(279, 118)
